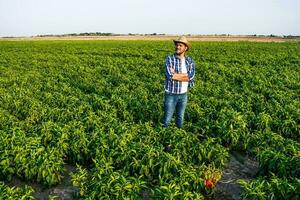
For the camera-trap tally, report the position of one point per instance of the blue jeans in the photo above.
(174, 102)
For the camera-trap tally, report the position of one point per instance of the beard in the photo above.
(179, 52)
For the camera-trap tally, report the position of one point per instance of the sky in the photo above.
(234, 17)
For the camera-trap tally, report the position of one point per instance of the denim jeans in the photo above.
(174, 102)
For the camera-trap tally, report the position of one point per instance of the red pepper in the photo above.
(209, 183)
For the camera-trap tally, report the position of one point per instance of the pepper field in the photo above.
(98, 106)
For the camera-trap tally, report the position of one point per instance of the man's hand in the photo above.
(172, 70)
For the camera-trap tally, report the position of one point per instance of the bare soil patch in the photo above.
(239, 167)
(63, 191)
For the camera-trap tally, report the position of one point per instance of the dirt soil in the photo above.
(63, 191)
(239, 167)
(163, 37)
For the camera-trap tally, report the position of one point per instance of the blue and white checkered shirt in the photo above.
(172, 61)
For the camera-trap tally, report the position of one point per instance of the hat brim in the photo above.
(186, 44)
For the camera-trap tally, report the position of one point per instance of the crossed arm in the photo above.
(180, 76)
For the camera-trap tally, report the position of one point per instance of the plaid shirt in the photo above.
(172, 61)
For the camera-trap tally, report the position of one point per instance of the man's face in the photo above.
(180, 48)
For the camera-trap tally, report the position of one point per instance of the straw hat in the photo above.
(182, 39)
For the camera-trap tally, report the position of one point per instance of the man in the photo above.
(179, 76)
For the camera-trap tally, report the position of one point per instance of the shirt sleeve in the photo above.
(168, 66)
(191, 73)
